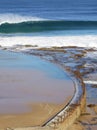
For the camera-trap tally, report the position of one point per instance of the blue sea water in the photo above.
(48, 18)
(52, 9)
(12, 60)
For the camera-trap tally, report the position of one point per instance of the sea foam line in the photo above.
(49, 41)
(90, 82)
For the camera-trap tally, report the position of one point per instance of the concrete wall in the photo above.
(69, 114)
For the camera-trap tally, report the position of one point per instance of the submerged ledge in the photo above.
(70, 113)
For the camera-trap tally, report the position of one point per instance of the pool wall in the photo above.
(66, 117)
(72, 111)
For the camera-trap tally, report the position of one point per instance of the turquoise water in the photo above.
(45, 26)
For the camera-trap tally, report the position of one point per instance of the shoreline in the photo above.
(77, 62)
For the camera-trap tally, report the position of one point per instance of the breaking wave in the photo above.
(24, 24)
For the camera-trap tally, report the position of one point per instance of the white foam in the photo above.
(49, 41)
(90, 82)
(14, 18)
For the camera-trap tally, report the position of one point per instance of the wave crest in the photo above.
(15, 18)
(46, 25)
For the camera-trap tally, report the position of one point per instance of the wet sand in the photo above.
(31, 97)
(41, 113)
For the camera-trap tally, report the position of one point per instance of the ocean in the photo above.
(47, 23)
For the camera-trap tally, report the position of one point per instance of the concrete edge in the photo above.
(69, 113)
(66, 117)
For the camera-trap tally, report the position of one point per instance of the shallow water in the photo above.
(26, 79)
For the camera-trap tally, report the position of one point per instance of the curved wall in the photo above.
(66, 117)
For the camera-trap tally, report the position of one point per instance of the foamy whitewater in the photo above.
(40, 41)
(48, 23)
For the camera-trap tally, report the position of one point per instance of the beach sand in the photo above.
(40, 114)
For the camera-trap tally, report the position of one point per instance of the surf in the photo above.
(50, 41)
(17, 18)
(48, 25)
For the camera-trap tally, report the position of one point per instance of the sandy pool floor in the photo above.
(30, 97)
